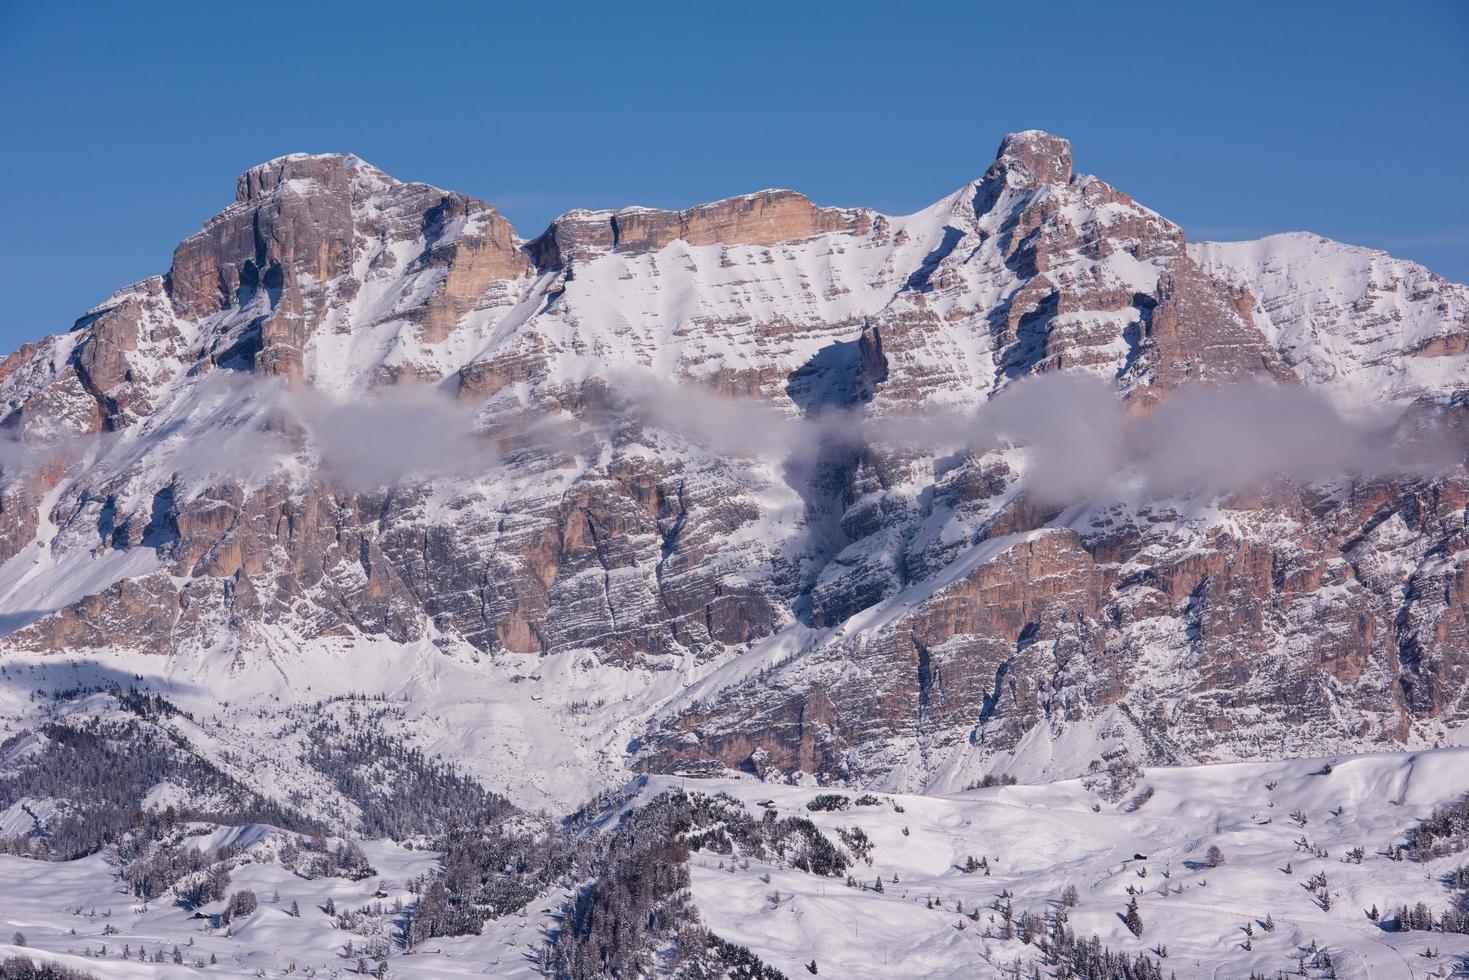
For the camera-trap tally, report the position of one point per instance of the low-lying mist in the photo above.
(1080, 440)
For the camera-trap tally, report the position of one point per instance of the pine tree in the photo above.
(1133, 918)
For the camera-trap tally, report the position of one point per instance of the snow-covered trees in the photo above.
(438, 912)
(152, 868)
(323, 860)
(241, 904)
(722, 958)
(203, 887)
(1419, 917)
(400, 790)
(493, 871)
(639, 901)
(1444, 832)
(855, 839)
(21, 968)
(1214, 857)
(105, 768)
(1071, 956)
(1133, 918)
(827, 802)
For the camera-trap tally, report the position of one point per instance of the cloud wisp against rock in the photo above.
(1079, 442)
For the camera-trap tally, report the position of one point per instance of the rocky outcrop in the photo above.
(477, 249)
(1193, 334)
(765, 218)
(144, 609)
(307, 234)
(1031, 159)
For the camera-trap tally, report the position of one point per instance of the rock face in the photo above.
(934, 621)
(307, 233)
(769, 217)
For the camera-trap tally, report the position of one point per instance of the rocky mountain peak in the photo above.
(828, 594)
(332, 171)
(1032, 158)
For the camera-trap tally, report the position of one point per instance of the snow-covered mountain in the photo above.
(373, 520)
(577, 501)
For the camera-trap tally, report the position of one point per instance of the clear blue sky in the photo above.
(125, 124)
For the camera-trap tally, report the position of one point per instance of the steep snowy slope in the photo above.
(1356, 322)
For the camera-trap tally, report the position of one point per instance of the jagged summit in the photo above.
(1025, 159)
(1032, 158)
(332, 171)
(827, 596)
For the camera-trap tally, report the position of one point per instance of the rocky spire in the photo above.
(1032, 159)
